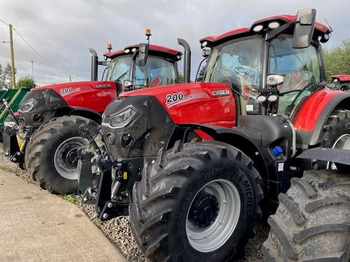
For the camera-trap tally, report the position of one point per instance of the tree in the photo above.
(5, 77)
(337, 59)
(26, 82)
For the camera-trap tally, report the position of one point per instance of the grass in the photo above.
(96, 221)
(29, 180)
(8, 168)
(71, 198)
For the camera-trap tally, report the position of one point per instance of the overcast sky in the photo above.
(62, 31)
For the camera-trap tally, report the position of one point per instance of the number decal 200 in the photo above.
(170, 98)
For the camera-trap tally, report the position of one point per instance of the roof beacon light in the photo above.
(109, 47)
(148, 33)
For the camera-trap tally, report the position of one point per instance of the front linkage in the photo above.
(116, 177)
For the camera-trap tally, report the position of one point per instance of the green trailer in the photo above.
(13, 98)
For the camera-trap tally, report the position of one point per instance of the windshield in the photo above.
(237, 60)
(119, 69)
(300, 68)
(157, 71)
(238, 63)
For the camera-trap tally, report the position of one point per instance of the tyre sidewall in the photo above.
(47, 165)
(246, 186)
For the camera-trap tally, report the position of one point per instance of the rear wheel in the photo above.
(312, 222)
(51, 155)
(336, 134)
(196, 202)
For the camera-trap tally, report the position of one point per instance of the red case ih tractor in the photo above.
(341, 82)
(190, 163)
(47, 140)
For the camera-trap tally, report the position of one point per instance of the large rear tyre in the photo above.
(312, 222)
(51, 155)
(196, 202)
(336, 134)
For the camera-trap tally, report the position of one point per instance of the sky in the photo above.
(52, 38)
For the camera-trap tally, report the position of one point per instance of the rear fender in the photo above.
(313, 114)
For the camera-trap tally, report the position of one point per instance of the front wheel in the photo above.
(196, 202)
(51, 155)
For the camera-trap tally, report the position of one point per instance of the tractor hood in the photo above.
(92, 94)
(41, 104)
(195, 102)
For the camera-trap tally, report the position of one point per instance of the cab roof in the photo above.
(153, 50)
(320, 29)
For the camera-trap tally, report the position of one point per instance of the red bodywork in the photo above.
(342, 78)
(95, 95)
(313, 107)
(202, 103)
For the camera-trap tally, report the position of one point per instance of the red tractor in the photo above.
(46, 141)
(341, 82)
(195, 165)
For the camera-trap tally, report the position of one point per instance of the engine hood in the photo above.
(94, 95)
(203, 103)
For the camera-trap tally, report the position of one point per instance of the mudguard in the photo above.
(315, 111)
(336, 155)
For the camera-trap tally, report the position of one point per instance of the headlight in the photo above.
(11, 124)
(124, 117)
(27, 106)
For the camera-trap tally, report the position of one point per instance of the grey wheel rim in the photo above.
(216, 234)
(65, 159)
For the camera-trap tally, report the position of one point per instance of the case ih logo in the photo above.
(103, 86)
(221, 92)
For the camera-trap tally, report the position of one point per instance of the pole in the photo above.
(32, 70)
(12, 59)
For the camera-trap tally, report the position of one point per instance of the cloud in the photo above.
(62, 31)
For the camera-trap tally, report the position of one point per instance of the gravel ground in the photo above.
(118, 229)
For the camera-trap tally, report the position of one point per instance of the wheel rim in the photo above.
(343, 142)
(220, 200)
(66, 159)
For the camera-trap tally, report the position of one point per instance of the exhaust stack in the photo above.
(187, 59)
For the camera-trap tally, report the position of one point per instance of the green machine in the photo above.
(11, 97)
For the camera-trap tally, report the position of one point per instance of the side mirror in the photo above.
(143, 54)
(127, 85)
(304, 28)
(274, 80)
(206, 52)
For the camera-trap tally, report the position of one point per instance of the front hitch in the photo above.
(88, 182)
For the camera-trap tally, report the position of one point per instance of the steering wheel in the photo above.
(249, 73)
(243, 70)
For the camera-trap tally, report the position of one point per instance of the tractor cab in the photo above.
(130, 72)
(270, 58)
